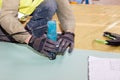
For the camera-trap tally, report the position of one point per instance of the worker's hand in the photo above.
(66, 40)
(114, 39)
(44, 45)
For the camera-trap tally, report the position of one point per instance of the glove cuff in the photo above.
(37, 43)
(70, 33)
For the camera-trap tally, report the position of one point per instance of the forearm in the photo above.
(9, 20)
(65, 15)
(12, 25)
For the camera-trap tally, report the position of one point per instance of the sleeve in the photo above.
(9, 20)
(65, 15)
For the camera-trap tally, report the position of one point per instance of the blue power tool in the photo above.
(52, 33)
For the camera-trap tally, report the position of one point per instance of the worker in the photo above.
(33, 33)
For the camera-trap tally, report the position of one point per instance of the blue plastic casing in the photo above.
(52, 33)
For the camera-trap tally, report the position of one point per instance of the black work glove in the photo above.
(114, 39)
(44, 45)
(65, 40)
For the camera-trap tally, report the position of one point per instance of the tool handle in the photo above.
(52, 33)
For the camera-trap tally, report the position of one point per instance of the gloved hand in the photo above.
(65, 40)
(44, 45)
(114, 38)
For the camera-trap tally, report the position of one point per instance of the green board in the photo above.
(20, 62)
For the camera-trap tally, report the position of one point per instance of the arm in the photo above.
(65, 15)
(9, 20)
(67, 21)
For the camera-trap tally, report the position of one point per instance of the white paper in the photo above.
(104, 68)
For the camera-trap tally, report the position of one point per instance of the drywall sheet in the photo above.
(104, 68)
(20, 62)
